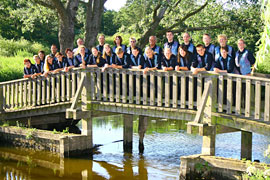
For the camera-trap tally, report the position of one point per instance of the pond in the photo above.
(165, 141)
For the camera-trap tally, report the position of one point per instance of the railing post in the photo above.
(2, 99)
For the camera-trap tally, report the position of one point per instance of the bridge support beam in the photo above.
(209, 141)
(246, 145)
(142, 129)
(87, 128)
(128, 133)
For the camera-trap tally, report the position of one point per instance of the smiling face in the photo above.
(95, 52)
(167, 53)
(186, 38)
(200, 51)
(206, 40)
(27, 64)
(135, 52)
(222, 41)
(70, 54)
(132, 42)
(182, 52)
(80, 42)
(53, 49)
(41, 55)
(107, 49)
(241, 45)
(149, 53)
(169, 36)
(152, 41)
(82, 51)
(50, 60)
(118, 41)
(59, 57)
(101, 40)
(37, 60)
(224, 53)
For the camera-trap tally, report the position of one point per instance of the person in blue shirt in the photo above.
(137, 59)
(203, 60)
(41, 55)
(224, 63)
(122, 59)
(118, 42)
(209, 47)
(171, 43)
(191, 48)
(169, 60)
(222, 39)
(184, 59)
(101, 41)
(53, 51)
(108, 56)
(30, 71)
(38, 64)
(81, 57)
(244, 59)
(132, 43)
(95, 59)
(70, 59)
(152, 60)
(154, 46)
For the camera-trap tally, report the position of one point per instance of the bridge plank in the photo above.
(145, 89)
(58, 89)
(99, 93)
(199, 89)
(124, 86)
(73, 85)
(220, 93)
(175, 89)
(257, 99)
(238, 96)
(63, 87)
(229, 95)
(191, 92)
(111, 82)
(130, 87)
(167, 89)
(43, 96)
(118, 85)
(138, 87)
(183, 91)
(53, 89)
(152, 88)
(159, 92)
(248, 98)
(105, 86)
(267, 102)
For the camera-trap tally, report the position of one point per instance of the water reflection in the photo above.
(165, 141)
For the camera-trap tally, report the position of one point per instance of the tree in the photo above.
(155, 17)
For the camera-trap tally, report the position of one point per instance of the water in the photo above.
(165, 141)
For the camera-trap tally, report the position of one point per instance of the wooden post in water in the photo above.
(209, 139)
(87, 119)
(142, 129)
(128, 132)
(246, 145)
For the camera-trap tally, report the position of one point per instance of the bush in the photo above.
(10, 48)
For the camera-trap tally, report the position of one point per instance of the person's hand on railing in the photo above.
(66, 69)
(177, 68)
(145, 70)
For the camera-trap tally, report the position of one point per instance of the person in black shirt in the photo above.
(154, 46)
(108, 56)
(95, 59)
(101, 41)
(208, 46)
(70, 59)
(62, 62)
(122, 60)
(137, 59)
(173, 45)
(222, 39)
(38, 64)
(118, 42)
(169, 60)
(244, 59)
(184, 59)
(41, 55)
(132, 43)
(152, 60)
(53, 51)
(203, 60)
(190, 47)
(224, 63)
(80, 42)
(50, 66)
(81, 58)
(30, 71)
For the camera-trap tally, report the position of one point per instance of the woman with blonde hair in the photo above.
(152, 60)
(81, 57)
(50, 65)
(108, 56)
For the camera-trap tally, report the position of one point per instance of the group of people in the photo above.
(173, 56)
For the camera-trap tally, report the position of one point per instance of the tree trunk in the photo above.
(94, 13)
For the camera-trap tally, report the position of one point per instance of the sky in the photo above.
(114, 4)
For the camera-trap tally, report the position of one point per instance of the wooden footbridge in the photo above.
(207, 100)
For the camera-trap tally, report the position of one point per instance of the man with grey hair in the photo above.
(80, 42)
(155, 48)
(132, 43)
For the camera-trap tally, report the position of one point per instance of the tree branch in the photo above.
(45, 4)
(156, 9)
(218, 26)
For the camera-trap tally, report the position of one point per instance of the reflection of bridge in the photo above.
(229, 101)
(26, 165)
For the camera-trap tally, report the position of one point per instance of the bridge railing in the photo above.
(246, 96)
